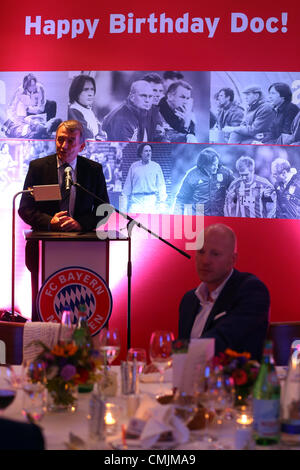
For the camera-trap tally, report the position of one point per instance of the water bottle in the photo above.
(290, 403)
(266, 401)
(83, 338)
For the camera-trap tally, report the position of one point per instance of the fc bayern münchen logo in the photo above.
(71, 287)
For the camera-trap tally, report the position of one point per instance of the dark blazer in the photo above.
(238, 319)
(17, 435)
(44, 171)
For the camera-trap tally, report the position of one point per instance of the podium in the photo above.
(69, 268)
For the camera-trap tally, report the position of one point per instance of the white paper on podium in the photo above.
(46, 192)
(200, 351)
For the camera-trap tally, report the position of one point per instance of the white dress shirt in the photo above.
(207, 302)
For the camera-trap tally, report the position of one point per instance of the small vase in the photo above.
(63, 399)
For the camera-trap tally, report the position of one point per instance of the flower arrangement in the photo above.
(65, 366)
(241, 369)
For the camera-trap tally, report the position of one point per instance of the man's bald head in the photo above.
(225, 232)
(141, 94)
(216, 258)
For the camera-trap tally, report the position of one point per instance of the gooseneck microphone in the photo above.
(68, 178)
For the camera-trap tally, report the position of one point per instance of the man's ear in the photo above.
(82, 146)
(234, 258)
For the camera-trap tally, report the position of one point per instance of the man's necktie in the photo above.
(65, 194)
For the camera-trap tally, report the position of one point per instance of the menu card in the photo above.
(199, 352)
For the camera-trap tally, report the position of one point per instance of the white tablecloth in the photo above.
(58, 426)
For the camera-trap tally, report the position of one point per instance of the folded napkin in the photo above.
(154, 377)
(158, 422)
(47, 332)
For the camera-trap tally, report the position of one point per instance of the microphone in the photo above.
(68, 177)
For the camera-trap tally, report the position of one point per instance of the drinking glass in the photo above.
(34, 402)
(109, 345)
(7, 390)
(139, 356)
(161, 351)
(67, 326)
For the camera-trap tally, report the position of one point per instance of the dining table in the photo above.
(71, 430)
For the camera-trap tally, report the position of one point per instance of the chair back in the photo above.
(282, 335)
(11, 342)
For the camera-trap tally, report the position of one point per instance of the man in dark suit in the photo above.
(16, 435)
(81, 211)
(230, 306)
(77, 210)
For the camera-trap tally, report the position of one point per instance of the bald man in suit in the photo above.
(230, 306)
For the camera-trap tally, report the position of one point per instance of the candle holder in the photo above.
(111, 418)
(243, 435)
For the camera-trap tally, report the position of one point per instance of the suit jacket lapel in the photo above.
(52, 175)
(221, 302)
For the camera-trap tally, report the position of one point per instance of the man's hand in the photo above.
(61, 222)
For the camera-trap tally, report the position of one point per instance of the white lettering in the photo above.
(182, 24)
(257, 25)
(242, 19)
(117, 24)
(269, 27)
(197, 25)
(62, 279)
(49, 27)
(92, 27)
(152, 20)
(36, 25)
(212, 26)
(77, 27)
(165, 21)
(63, 27)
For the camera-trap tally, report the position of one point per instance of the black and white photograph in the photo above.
(239, 181)
(255, 107)
(32, 104)
(132, 106)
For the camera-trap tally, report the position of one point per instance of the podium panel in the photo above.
(69, 269)
(89, 254)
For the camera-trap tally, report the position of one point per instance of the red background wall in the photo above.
(268, 248)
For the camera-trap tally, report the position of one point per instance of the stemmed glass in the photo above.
(137, 356)
(34, 392)
(109, 345)
(66, 325)
(161, 351)
(7, 390)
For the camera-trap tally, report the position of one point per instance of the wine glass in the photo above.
(67, 326)
(161, 351)
(7, 390)
(109, 345)
(137, 356)
(34, 402)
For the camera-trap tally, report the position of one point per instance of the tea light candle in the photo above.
(244, 419)
(111, 417)
(243, 435)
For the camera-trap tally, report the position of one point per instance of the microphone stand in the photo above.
(13, 255)
(129, 264)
